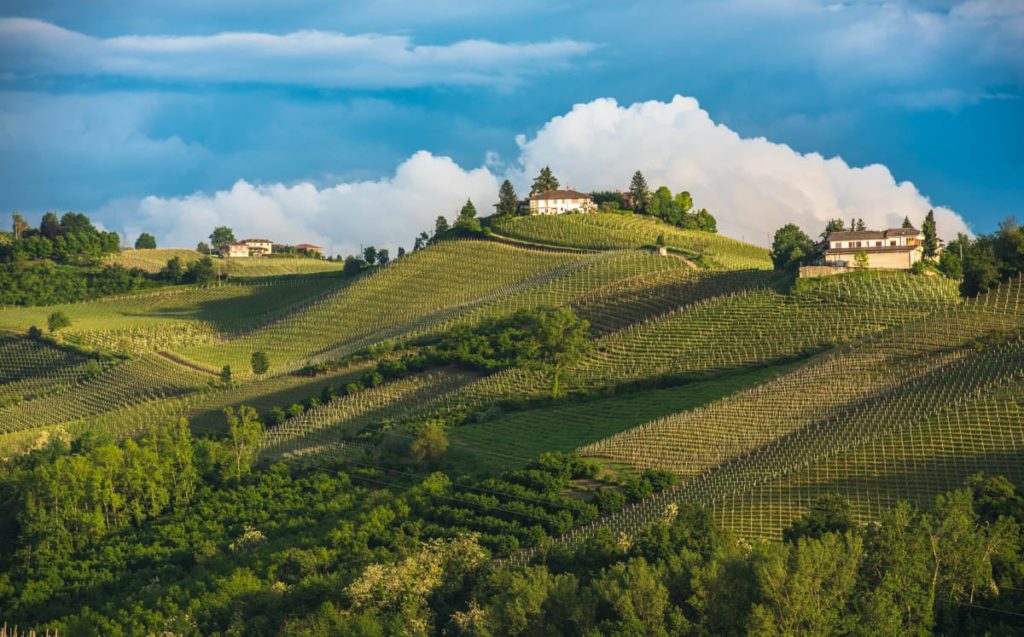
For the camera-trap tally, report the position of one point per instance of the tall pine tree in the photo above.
(931, 238)
(639, 191)
(544, 182)
(508, 202)
(906, 222)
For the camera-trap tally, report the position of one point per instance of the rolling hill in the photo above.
(758, 392)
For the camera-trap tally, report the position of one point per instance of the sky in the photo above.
(350, 123)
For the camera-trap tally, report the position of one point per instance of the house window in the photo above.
(878, 244)
(892, 243)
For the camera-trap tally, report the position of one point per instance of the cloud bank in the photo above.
(326, 59)
(752, 185)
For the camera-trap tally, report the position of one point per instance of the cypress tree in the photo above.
(931, 239)
(508, 202)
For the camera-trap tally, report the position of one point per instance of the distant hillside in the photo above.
(154, 260)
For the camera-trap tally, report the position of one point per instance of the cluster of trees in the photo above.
(358, 551)
(71, 239)
(200, 272)
(47, 283)
(678, 211)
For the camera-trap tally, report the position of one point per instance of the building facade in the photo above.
(258, 247)
(557, 202)
(309, 248)
(892, 249)
(233, 250)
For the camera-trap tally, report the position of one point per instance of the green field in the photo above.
(154, 260)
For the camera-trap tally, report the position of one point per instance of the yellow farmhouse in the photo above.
(893, 249)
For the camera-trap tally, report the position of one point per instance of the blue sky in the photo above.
(105, 107)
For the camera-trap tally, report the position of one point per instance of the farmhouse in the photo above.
(892, 249)
(556, 202)
(231, 250)
(258, 247)
(309, 248)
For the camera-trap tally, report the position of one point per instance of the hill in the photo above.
(706, 382)
(153, 260)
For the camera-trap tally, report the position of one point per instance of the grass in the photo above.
(513, 439)
(606, 231)
(154, 260)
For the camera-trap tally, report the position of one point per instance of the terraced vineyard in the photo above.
(760, 393)
(606, 231)
(907, 413)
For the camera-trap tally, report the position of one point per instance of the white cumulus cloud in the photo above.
(387, 212)
(30, 47)
(752, 185)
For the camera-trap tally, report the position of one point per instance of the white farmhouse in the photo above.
(557, 202)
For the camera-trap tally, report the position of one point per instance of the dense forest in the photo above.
(178, 535)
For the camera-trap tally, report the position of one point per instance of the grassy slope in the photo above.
(154, 260)
(605, 231)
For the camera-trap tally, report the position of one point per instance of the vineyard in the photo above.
(624, 231)
(759, 392)
(154, 260)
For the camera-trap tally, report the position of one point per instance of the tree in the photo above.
(791, 247)
(704, 221)
(636, 598)
(260, 363)
(50, 226)
(508, 202)
(173, 271)
(221, 236)
(639, 192)
(562, 340)
(663, 206)
(76, 222)
(544, 182)
(861, 226)
(860, 260)
(431, 442)
(200, 272)
(203, 248)
(981, 270)
(225, 374)
(467, 218)
(245, 431)
(18, 225)
(401, 252)
(906, 222)
(440, 226)
(931, 238)
(383, 256)
(57, 320)
(421, 241)
(828, 514)
(833, 225)
(684, 202)
(370, 255)
(145, 241)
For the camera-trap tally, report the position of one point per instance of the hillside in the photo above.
(707, 379)
(153, 260)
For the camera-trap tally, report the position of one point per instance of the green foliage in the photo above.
(791, 248)
(221, 236)
(242, 445)
(225, 374)
(260, 363)
(57, 321)
(860, 260)
(430, 443)
(992, 258)
(467, 220)
(906, 222)
(828, 514)
(145, 241)
(440, 227)
(48, 284)
(639, 192)
(931, 237)
(544, 181)
(833, 225)
(508, 201)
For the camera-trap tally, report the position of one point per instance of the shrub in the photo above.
(57, 320)
(609, 499)
(260, 363)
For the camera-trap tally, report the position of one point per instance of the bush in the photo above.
(609, 499)
(57, 320)
(35, 333)
(260, 363)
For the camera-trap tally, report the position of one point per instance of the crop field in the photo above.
(174, 317)
(153, 261)
(905, 414)
(516, 438)
(750, 327)
(607, 231)
(391, 303)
